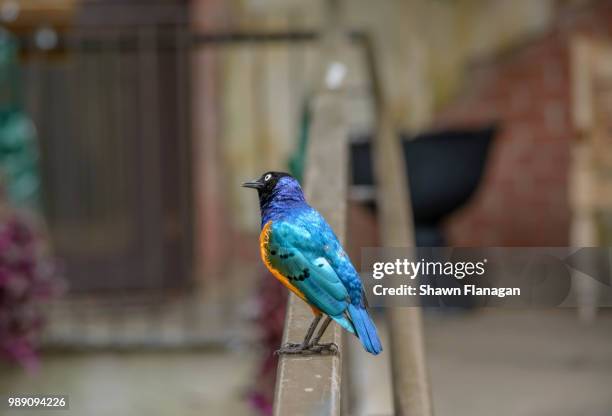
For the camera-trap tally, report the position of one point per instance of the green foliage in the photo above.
(18, 144)
(298, 159)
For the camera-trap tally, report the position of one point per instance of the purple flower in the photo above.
(28, 275)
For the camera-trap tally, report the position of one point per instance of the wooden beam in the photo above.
(30, 14)
(411, 392)
(311, 385)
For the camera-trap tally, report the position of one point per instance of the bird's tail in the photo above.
(366, 331)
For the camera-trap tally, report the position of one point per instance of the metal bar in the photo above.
(130, 42)
(150, 145)
(411, 392)
(311, 385)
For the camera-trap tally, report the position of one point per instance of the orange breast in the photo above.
(264, 239)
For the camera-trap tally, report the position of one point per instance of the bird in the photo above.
(300, 249)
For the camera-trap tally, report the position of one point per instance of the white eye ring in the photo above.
(267, 177)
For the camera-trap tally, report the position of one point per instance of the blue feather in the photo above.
(344, 323)
(366, 331)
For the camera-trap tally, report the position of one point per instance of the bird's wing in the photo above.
(292, 252)
(358, 319)
(338, 259)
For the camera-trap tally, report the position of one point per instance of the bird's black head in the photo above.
(266, 183)
(277, 186)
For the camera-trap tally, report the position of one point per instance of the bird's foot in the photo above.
(293, 345)
(293, 349)
(324, 349)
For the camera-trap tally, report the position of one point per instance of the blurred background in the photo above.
(129, 269)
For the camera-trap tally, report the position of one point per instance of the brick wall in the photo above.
(523, 199)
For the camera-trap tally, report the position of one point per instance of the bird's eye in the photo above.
(267, 177)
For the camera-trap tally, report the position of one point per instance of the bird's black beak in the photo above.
(253, 184)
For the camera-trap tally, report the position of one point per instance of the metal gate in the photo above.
(111, 104)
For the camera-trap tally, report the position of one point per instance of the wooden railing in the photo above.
(313, 385)
(411, 391)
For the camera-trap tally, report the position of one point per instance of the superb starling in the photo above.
(301, 250)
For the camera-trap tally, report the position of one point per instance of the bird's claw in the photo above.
(324, 349)
(292, 349)
(311, 349)
(293, 345)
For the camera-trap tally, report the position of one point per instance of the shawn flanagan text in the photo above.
(427, 290)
